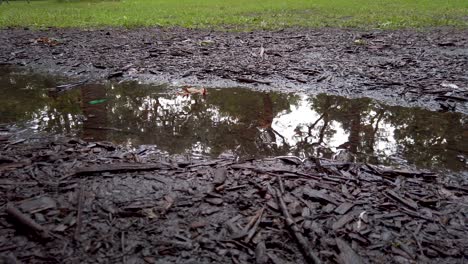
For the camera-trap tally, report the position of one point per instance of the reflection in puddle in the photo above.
(239, 121)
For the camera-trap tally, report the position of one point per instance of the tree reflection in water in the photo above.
(241, 121)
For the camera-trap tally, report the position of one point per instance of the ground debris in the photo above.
(396, 66)
(151, 207)
(21, 219)
(347, 254)
(115, 168)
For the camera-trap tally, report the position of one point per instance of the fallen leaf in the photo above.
(187, 90)
(48, 41)
(149, 212)
(360, 42)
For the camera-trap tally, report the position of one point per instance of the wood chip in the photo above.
(319, 195)
(347, 254)
(343, 221)
(408, 202)
(123, 167)
(343, 208)
(220, 176)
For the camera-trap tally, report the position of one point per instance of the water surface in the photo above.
(236, 120)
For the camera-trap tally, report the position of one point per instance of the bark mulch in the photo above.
(426, 68)
(69, 201)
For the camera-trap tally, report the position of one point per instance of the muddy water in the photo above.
(237, 121)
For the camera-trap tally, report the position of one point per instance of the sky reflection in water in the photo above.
(238, 121)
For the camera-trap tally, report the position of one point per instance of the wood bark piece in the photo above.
(408, 202)
(4, 138)
(347, 254)
(407, 173)
(277, 260)
(273, 172)
(343, 221)
(79, 211)
(220, 176)
(249, 80)
(250, 224)
(319, 195)
(254, 228)
(344, 208)
(261, 256)
(208, 163)
(458, 188)
(39, 204)
(306, 249)
(122, 167)
(26, 221)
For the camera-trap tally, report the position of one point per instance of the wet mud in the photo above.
(427, 68)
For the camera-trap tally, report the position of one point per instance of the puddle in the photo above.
(240, 121)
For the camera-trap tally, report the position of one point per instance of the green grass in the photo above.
(237, 14)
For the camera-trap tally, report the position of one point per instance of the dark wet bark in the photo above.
(98, 202)
(406, 67)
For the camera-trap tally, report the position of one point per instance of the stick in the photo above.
(26, 221)
(250, 224)
(79, 211)
(123, 167)
(122, 241)
(253, 230)
(306, 249)
(274, 171)
(248, 80)
(280, 180)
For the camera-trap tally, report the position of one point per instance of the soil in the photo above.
(427, 68)
(70, 201)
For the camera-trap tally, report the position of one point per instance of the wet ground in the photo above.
(239, 121)
(97, 168)
(417, 68)
(70, 201)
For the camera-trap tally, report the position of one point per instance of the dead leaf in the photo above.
(149, 212)
(262, 52)
(48, 41)
(168, 202)
(187, 90)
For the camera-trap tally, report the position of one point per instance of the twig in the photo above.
(27, 221)
(281, 185)
(249, 225)
(418, 243)
(123, 167)
(281, 136)
(253, 230)
(79, 212)
(310, 256)
(122, 241)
